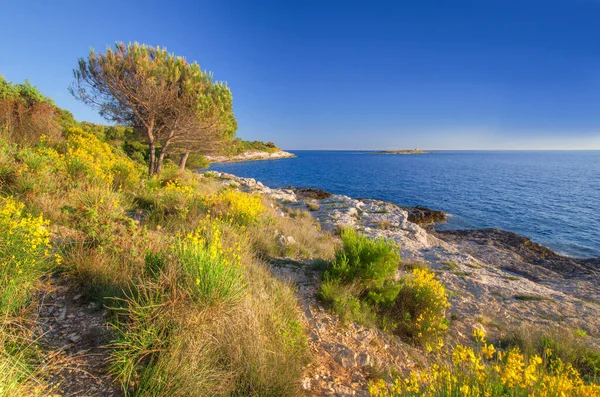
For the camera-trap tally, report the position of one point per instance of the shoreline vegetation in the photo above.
(250, 155)
(123, 272)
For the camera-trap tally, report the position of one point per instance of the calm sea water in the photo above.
(552, 197)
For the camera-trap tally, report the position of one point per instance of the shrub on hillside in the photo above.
(195, 161)
(25, 251)
(418, 311)
(364, 260)
(236, 207)
(90, 159)
(26, 114)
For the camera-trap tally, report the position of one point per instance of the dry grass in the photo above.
(252, 346)
(312, 206)
(310, 241)
(570, 346)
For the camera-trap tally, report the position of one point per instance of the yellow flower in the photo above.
(479, 335)
(488, 351)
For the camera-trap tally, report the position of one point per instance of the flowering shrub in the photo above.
(236, 207)
(88, 157)
(420, 306)
(484, 371)
(210, 273)
(25, 252)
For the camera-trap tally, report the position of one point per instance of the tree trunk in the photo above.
(151, 158)
(151, 148)
(183, 160)
(161, 157)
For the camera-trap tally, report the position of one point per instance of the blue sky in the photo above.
(349, 75)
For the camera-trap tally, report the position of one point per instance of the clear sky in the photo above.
(481, 74)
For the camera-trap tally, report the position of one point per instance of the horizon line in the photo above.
(449, 150)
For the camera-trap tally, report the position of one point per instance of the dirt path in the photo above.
(75, 332)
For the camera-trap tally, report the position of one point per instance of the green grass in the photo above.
(525, 297)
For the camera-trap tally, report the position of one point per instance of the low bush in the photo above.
(419, 308)
(88, 157)
(195, 161)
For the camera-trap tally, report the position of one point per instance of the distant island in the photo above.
(402, 151)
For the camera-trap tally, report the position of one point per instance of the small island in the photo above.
(402, 151)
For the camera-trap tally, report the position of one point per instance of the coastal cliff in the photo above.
(251, 156)
(497, 281)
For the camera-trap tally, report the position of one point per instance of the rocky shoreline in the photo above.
(496, 280)
(487, 268)
(251, 156)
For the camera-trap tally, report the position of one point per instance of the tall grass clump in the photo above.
(210, 273)
(361, 285)
(571, 347)
(21, 363)
(486, 371)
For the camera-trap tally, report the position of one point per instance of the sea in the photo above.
(552, 197)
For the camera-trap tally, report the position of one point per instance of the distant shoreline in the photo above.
(251, 156)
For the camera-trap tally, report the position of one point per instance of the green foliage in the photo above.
(137, 151)
(239, 146)
(196, 161)
(175, 103)
(360, 279)
(345, 303)
(25, 92)
(370, 262)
